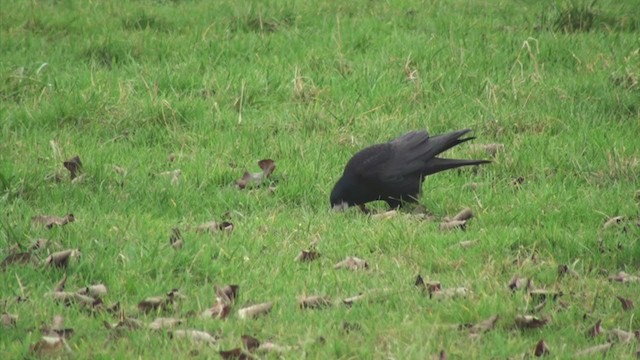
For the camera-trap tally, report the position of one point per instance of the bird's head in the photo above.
(341, 195)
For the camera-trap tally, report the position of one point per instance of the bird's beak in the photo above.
(340, 207)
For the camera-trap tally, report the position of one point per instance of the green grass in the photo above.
(223, 84)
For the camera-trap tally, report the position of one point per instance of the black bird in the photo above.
(394, 171)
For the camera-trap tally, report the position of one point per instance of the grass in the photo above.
(221, 85)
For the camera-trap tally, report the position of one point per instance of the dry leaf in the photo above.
(352, 263)
(86, 300)
(452, 225)
(61, 258)
(566, 270)
(255, 179)
(518, 283)
(17, 258)
(74, 165)
(595, 350)
(613, 222)
(541, 349)
(622, 336)
(9, 320)
(269, 347)
(235, 354)
(542, 294)
(255, 310)
(164, 323)
(38, 244)
(464, 215)
(450, 293)
(623, 277)
(176, 238)
(151, 304)
(354, 299)
(213, 226)
(307, 256)
(484, 325)
(466, 244)
(314, 302)
(174, 175)
(62, 296)
(194, 335)
(385, 215)
(95, 291)
(250, 343)
(530, 321)
(516, 182)
(50, 221)
(227, 294)
(627, 304)
(596, 329)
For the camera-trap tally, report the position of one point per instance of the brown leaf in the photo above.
(518, 283)
(484, 325)
(541, 349)
(516, 182)
(194, 335)
(255, 179)
(453, 225)
(62, 296)
(596, 329)
(530, 322)
(354, 299)
(255, 310)
(235, 354)
(176, 238)
(250, 343)
(419, 281)
(385, 215)
(349, 327)
(227, 294)
(269, 347)
(21, 258)
(540, 295)
(307, 256)
(86, 301)
(450, 293)
(61, 258)
(267, 166)
(314, 302)
(627, 304)
(164, 323)
(8, 320)
(613, 222)
(50, 221)
(38, 244)
(352, 263)
(622, 336)
(74, 165)
(566, 270)
(594, 350)
(151, 304)
(623, 277)
(213, 226)
(464, 215)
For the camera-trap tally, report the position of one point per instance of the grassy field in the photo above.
(140, 88)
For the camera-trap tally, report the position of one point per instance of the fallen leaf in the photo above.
(124, 323)
(152, 304)
(530, 322)
(250, 343)
(87, 301)
(193, 335)
(517, 181)
(74, 165)
(385, 215)
(50, 221)
(518, 283)
(255, 310)
(235, 354)
(95, 291)
(622, 336)
(627, 304)
(173, 174)
(269, 347)
(314, 302)
(8, 320)
(255, 179)
(596, 329)
(164, 323)
(613, 222)
(484, 325)
(38, 244)
(543, 294)
(62, 296)
(595, 349)
(218, 311)
(61, 258)
(354, 299)
(623, 277)
(307, 256)
(452, 225)
(176, 238)
(466, 244)
(57, 328)
(213, 226)
(541, 349)
(21, 258)
(450, 293)
(348, 327)
(352, 263)
(464, 215)
(566, 270)
(227, 294)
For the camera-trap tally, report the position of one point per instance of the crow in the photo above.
(394, 171)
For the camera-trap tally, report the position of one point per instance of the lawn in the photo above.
(168, 103)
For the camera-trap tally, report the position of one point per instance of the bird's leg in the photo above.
(364, 209)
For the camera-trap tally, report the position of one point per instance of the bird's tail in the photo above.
(444, 142)
(439, 164)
